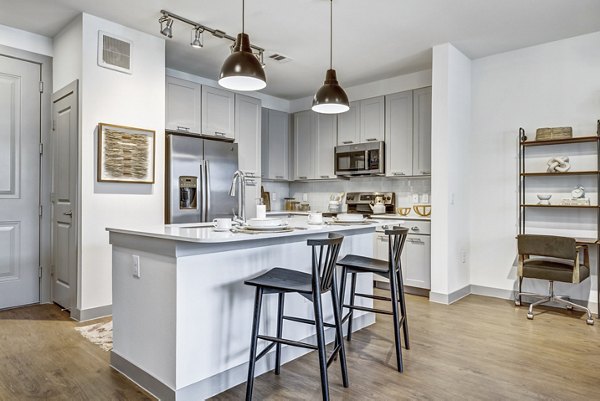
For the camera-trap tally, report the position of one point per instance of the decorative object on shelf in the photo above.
(330, 98)
(559, 164)
(422, 210)
(403, 211)
(544, 199)
(578, 192)
(577, 198)
(549, 134)
(125, 154)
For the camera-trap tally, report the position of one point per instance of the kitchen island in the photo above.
(182, 321)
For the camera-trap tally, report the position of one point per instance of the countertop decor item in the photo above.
(403, 211)
(544, 199)
(549, 134)
(125, 154)
(378, 207)
(422, 210)
(558, 164)
(578, 192)
(266, 198)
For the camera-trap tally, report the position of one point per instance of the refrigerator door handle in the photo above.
(202, 192)
(206, 190)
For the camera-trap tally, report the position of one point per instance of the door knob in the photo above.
(69, 213)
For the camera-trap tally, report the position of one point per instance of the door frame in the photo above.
(45, 224)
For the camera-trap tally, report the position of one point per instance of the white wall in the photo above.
(397, 84)
(24, 40)
(451, 133)
(67, 50)
(136, 100)
(553, 84)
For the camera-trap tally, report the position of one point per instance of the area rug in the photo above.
(99, 334)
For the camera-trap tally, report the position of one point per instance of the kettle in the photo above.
(378, 207)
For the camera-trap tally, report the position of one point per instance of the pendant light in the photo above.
(241, 70)
(330, 98)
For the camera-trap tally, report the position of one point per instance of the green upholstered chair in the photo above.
(552, 258)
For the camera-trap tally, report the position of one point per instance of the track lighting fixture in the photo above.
(167, 30)
(197, 38)
(243, 69)
(330, 98)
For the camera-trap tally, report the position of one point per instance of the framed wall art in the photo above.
(125, 154)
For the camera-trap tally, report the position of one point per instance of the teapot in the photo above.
(378, 207)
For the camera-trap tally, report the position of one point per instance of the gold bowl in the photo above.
(422, 210)
(403, 211)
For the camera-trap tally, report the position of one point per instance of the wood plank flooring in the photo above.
(476, 349)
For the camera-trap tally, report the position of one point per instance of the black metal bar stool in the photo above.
(390, 269)
(311, 286)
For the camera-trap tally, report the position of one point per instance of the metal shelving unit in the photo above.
(523, 205)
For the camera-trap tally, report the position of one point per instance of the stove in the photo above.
(358, 202)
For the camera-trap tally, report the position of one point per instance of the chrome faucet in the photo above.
(238, 186)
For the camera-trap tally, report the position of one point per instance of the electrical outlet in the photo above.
(305, 197)
(463, 256)
(136, 266)
(273, 196)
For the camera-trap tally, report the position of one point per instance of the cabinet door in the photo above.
(278, 146)
(218, 112)
(325, 145)
(381, 252)
(416, 266)
(304, 128)
(183, 105)
(264, 143)
(372, 122)
(349, 125)
(399, 134)
(247, 134)
(422, 131)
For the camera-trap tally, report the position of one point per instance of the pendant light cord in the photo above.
(243, 4)
(330, 34)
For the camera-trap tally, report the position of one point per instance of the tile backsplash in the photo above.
(407, 190)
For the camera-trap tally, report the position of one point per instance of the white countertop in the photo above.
(205, 232)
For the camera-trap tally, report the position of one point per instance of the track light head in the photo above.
(167, 30)
(197, 38)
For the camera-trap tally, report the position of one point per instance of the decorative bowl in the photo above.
(266, 222)
(422, 210)
(403, 211)
(544, 199)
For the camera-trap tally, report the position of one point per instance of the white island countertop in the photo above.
(205, 232)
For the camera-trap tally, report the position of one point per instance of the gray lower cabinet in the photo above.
(182, 103)
(218, 110)
(408, 133)
(275, 145)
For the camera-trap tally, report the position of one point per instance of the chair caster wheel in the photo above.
(590, 322)
(517, 302)
(530, 316)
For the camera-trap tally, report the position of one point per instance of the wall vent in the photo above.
(114, 53)
(279, 58)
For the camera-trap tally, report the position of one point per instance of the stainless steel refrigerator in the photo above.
(198, 179)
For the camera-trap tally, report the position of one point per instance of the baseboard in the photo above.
(382, 285)
(82, 315)
(218, 383)
(448, 299)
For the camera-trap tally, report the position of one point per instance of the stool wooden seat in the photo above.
(281, 281)
(390, 269)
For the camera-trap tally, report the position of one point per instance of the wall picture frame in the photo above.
(125, 154)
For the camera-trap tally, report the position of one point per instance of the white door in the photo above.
(64, 184)
(325, 145)
(416, 262)
(218, 112)
(183, 105)
(277, 158)
(399, 134)
(372, 116)
(19, 182)
(247, 134)
(304, 127)
(422, 132)
(349, 125)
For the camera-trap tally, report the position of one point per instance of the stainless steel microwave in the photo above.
(360, 159)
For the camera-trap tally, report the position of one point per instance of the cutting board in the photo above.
(266, 198)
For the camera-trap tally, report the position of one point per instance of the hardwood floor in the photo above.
(42, 357)
(476, 349)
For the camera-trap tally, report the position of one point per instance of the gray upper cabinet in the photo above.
(218, 109)
(275, 145)
(349, 125)
(422, 131)
(408, 133)
(304, 137)
(183, 105)
(326, 129)
(372, 127)
(399, 134)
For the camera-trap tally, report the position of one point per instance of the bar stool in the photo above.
(311, 286)
(390, 269)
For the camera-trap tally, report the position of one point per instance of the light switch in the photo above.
(136, 266)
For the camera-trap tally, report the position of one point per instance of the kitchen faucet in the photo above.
(239, 178)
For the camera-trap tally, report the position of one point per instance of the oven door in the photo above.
(351, 162)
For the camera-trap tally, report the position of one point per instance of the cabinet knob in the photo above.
(371, 139)
(302, 177)
(347, 142)
(398, 173)
(180, 128)
(324, 176)
(425, 172)
(415, 228)
(220, 133)
(278, 176)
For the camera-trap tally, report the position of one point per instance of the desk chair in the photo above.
(555, 259)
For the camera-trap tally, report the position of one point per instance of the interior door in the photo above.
(19, 182)
(64, 191)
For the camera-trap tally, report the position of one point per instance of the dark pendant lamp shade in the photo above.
(241, 70)
(330, 98)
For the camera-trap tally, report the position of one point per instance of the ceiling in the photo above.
(373, 39)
